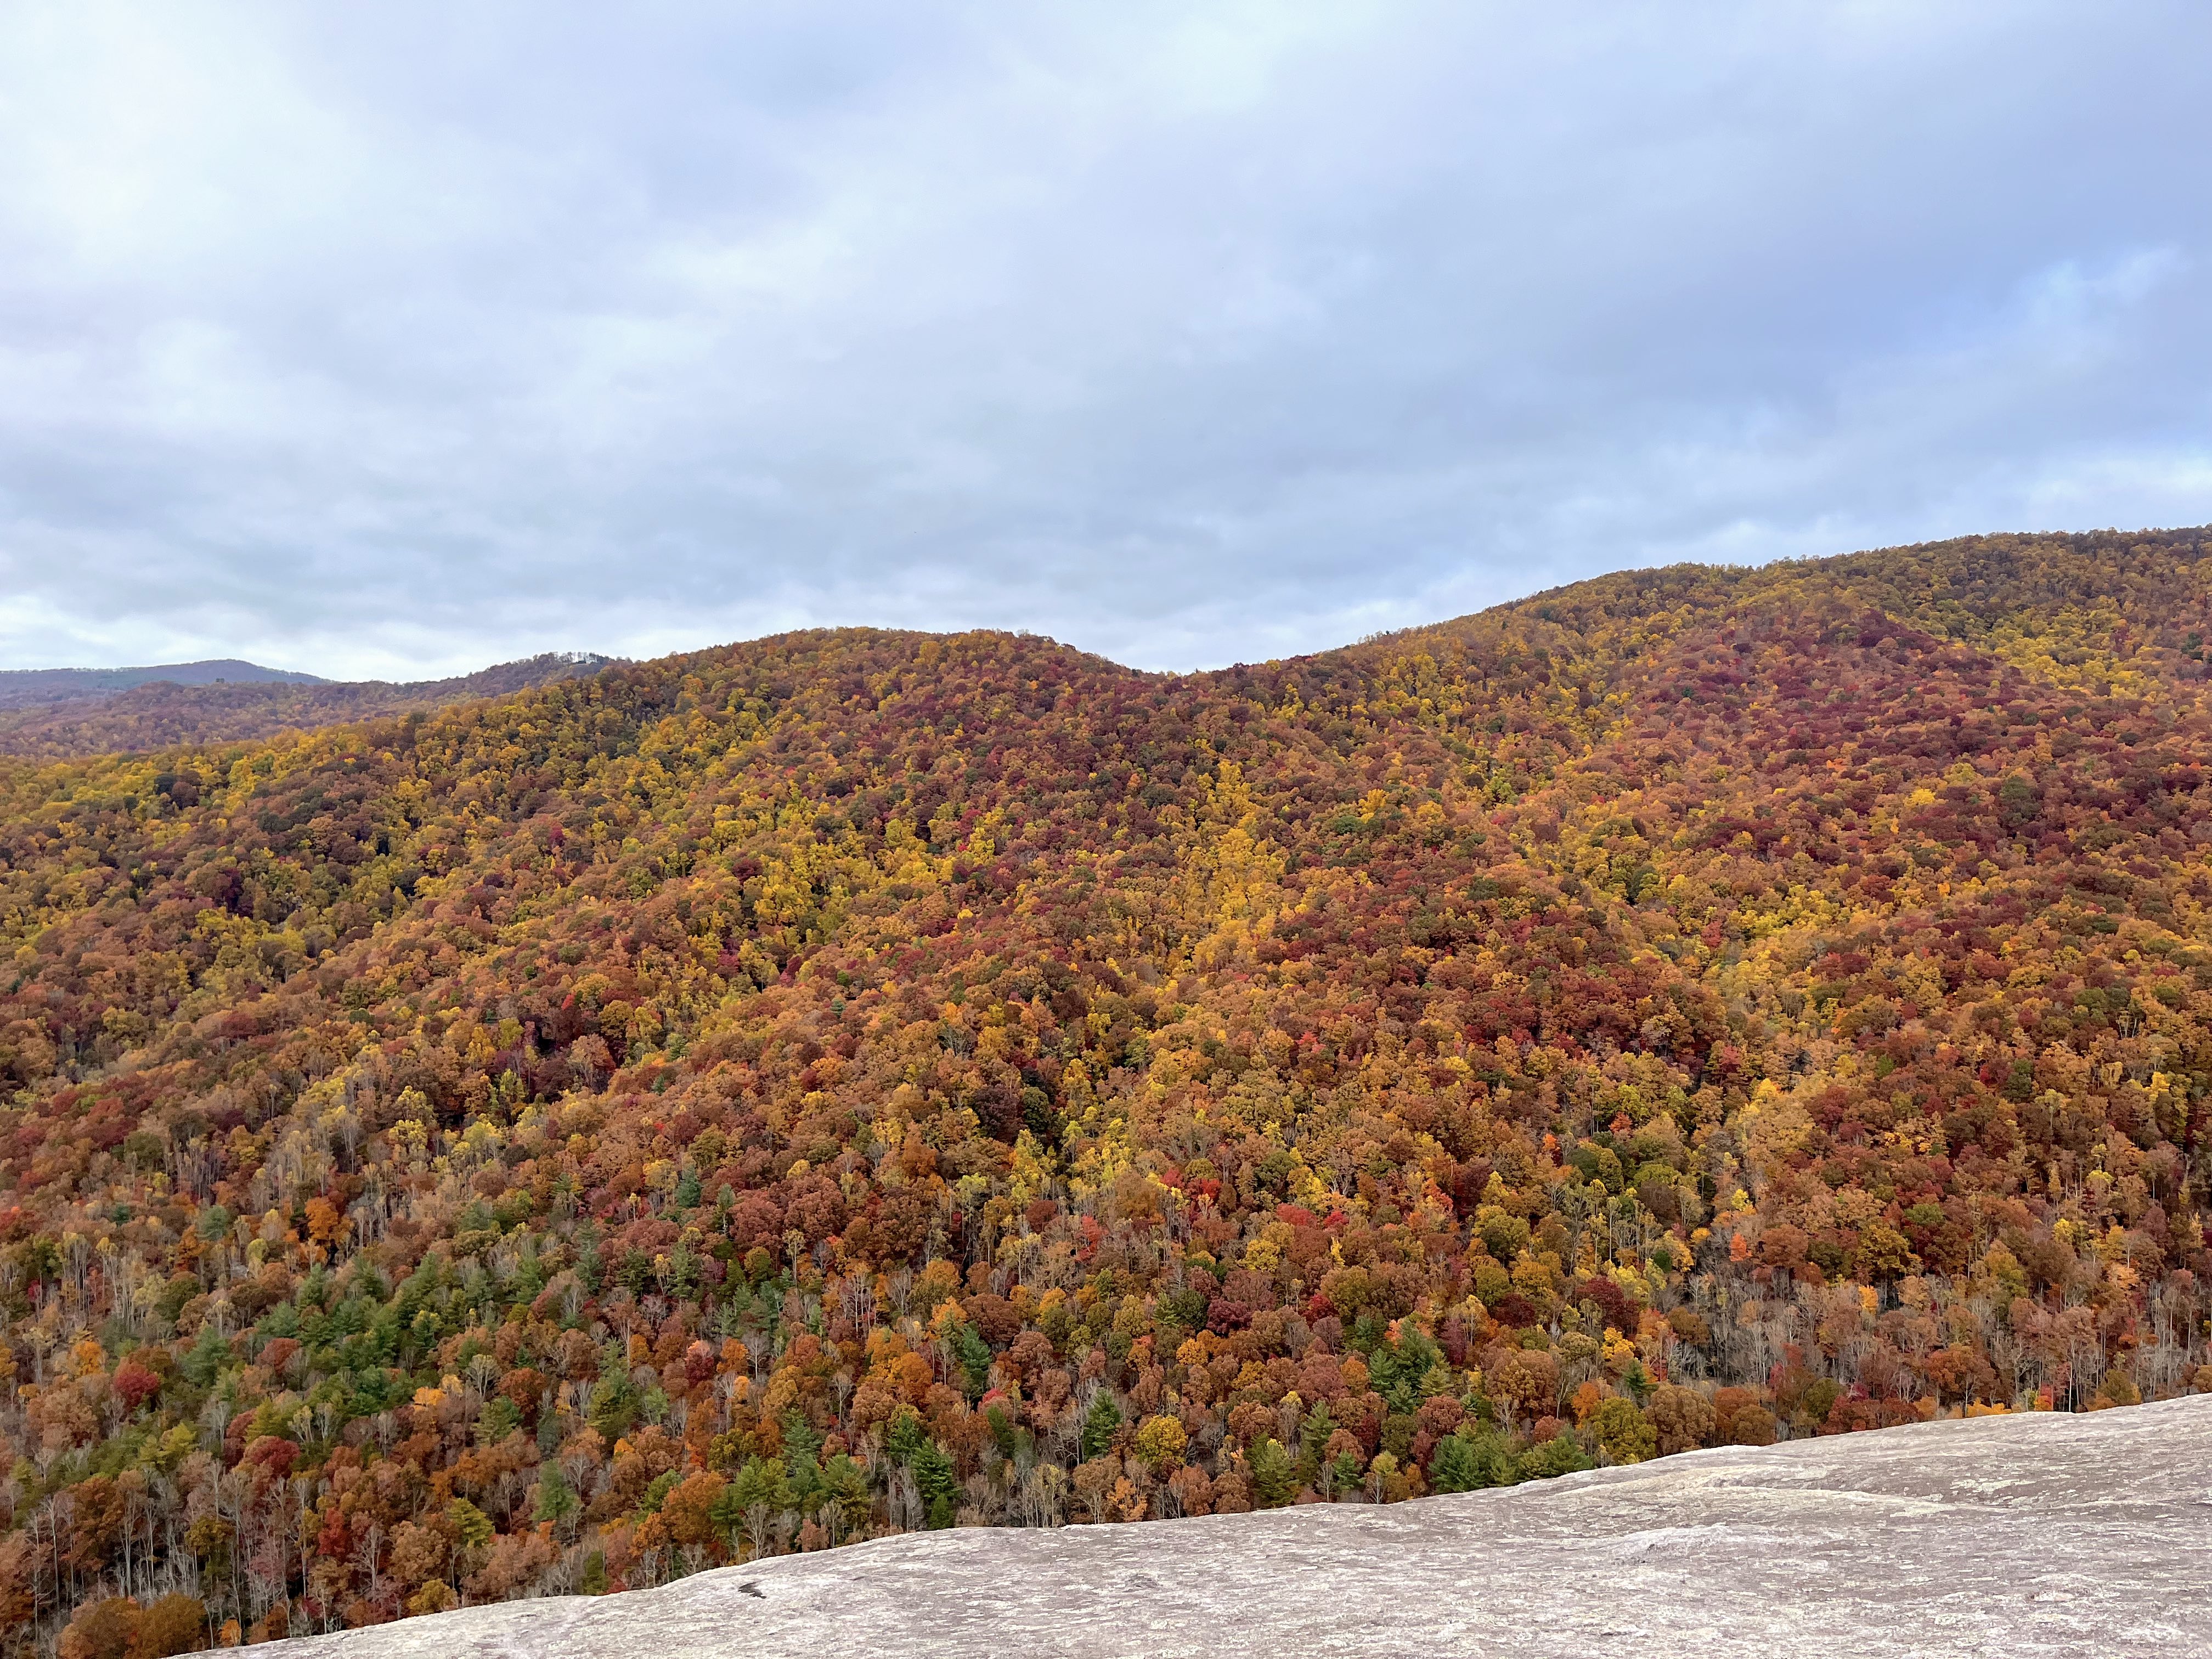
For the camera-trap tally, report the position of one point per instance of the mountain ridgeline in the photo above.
(55, 713)
(857, 1082)
(29, 688)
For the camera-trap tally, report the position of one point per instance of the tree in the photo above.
(615, 1403)
(174, 1624)
(1101, 1425)
(102, 1630)
(844, 1495)
(325, 1220)
(1623, 1431)
(517, 1563)
(1397, 1369)
(418, 1553)
(1682, 1419)
(471, 1525)
(557, 1499)
(20, 1560)
(688, 1509)
(763, 1481)
(746, 1509)
(1452, 1466)
(1467, 1461)
(1530, 1380)
(1753, 1426)
(905, 1436)
(1159, 1443)
(939, 1484)
(974, 1357)
(1274, 1482)
(1884, 1253)
(1557, 1456)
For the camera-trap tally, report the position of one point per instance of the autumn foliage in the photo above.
(52, 721)
(863, 1081)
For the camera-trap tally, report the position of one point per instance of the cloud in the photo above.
(399, 339)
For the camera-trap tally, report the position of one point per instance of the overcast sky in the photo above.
(398, 339)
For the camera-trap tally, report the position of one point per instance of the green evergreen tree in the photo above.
(1555, 1457)
(938, 1483)
(905, 1435)
(614, 1406)
(470, 1524)
(556, 1498)
(1101, 1425)
(975, 1356)
(657, 1494)
(1468, 1461)
(209, 1354)
(844, 1484)
(1397, 1369)
(1274, 1482)
(500, 1418)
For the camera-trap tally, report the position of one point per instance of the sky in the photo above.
(397, 340)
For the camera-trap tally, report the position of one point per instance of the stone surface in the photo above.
(2013, 1536)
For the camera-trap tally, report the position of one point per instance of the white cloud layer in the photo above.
(399, 339)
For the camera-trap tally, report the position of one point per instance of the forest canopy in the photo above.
(861, 1081)
(54, 714)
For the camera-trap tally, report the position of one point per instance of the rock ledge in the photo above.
(2020, 1536)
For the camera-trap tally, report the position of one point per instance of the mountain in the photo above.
(2058, 1535)
(30, 688)
(861, 1081)
(166, 709)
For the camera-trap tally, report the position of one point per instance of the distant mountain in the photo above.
(27, 688)
(75, 711)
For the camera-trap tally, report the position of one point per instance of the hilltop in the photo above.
(27, 688)
(52, 713)
(861, 1081)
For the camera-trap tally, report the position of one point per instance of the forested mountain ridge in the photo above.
(57, 713)
(860, 1080)
(25, 687)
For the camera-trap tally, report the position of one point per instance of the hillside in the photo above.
(2048, 1537)
(858, 1081)
(28, 687)
(166, 709)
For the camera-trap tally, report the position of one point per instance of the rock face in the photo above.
(2013, 1536)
